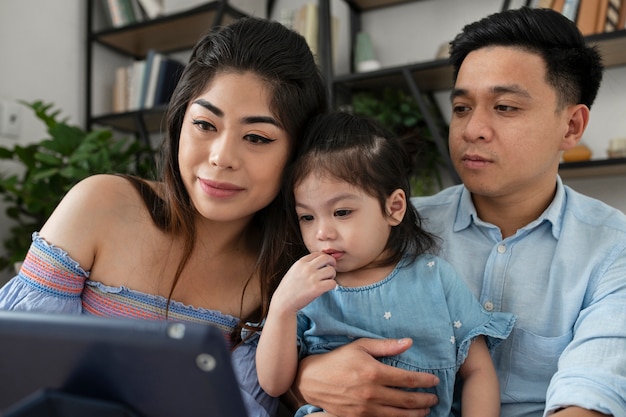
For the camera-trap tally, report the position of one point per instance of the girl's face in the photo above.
(342, 220)
(232, 148)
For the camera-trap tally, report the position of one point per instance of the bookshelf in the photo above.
(423, 79)
(166, 34)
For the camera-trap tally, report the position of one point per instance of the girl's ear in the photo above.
(395, 207)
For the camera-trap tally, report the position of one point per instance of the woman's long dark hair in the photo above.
(282, 59)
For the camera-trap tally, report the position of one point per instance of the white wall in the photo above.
(42, 44)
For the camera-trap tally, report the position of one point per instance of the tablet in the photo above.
(148, 368)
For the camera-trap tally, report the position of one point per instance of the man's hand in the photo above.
(350, 382)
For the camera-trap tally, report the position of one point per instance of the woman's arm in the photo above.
(350, 382)
(481, 390)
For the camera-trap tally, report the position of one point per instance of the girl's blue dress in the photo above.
(424, 300)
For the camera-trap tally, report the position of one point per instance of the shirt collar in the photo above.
(466, 212)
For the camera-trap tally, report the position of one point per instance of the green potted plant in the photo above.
(399, 113)
(50, 167)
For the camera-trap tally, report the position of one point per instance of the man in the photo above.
(525, 243)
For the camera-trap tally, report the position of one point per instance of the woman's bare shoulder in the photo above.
(103, 190)
(95, 209)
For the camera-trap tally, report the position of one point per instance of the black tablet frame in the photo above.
(148, 368)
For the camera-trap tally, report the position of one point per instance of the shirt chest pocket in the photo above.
(532, 360)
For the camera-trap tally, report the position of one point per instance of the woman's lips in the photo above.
(219, 189)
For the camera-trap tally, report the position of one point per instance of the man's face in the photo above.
(507, 131)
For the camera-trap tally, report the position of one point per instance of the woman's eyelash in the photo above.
(201, 123)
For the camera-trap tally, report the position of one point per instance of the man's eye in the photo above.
(505, 108)
(460, 109)
(342, 212)
(203, 125)
(258, 139)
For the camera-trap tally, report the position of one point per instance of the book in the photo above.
(587, 16)
(152, 8)
(169, 73)
(557, 5)
(135, 82)
(106, 12)
(153, 78)
(147, 72)
(138, 12)
(305, 22)
(603, 8)
(127, 11)
(570, 9)
(611, 22)
(115, 12)
(542, 4)
(120, 90)
(621, 23)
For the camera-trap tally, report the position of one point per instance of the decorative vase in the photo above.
(364, 55)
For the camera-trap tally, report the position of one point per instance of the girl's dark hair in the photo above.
(283, 60)
(573, 68)
(361, 152)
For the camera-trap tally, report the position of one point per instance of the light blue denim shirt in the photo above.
(564, 277)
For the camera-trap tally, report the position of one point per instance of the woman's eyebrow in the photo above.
(260, 119)
(245, 120)
(210, 107)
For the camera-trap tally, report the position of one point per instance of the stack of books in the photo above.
(145, 83)
(120, 13)
(591, 16)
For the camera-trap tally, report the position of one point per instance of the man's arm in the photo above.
(589, 372)
(350, 382)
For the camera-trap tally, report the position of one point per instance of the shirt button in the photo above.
(501, 248)
(488, 305)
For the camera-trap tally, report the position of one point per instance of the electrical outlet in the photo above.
(10, 119)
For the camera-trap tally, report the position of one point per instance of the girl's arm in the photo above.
(481, 390)
(277, 353)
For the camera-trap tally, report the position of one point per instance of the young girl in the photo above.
(369, 274)
(205, 243)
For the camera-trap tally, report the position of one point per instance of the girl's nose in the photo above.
(325, 232)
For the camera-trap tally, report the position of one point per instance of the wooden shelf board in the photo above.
(188, 26)
(593, 168)
(127, 122)
(374, 4)
(437, 75)
(429, 76)
(612, 46)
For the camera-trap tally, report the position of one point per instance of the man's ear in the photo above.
(577, 123)
(395, 207)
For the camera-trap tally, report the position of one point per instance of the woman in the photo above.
(205, 242)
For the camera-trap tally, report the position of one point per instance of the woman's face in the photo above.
(232, 148)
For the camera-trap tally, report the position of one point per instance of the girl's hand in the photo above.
(308, 278)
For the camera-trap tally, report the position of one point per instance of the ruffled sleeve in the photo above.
(469, 318)
(49, 281)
